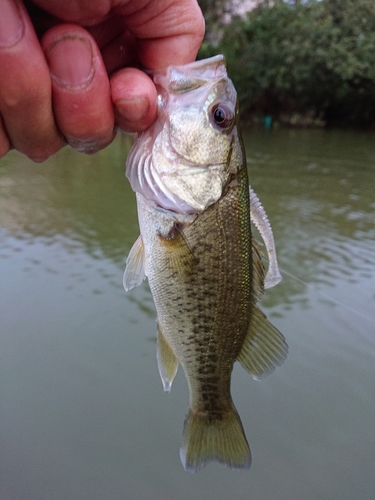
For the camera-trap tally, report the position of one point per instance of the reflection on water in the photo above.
(85, 199)
(82, 410)
(323, 215)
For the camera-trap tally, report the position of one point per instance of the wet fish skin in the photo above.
(206, 275)
(203, 302)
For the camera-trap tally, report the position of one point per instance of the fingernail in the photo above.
(89, 146)
(11, 25)
(70, 60)
(134, 109)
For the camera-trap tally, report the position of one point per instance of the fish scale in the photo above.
(226, 294)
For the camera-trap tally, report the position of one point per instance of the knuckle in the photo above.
(42, 154)
(5, 145)
(22, 97)
(92, 144)
(4, 149)
(38, 157)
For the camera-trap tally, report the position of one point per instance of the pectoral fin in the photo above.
(264, 348)
(167, 361)
(135, 265)
(177, 252)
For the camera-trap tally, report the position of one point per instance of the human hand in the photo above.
(68, 69)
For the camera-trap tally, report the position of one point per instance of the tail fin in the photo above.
(222, 440)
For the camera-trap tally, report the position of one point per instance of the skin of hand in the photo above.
(69, 68)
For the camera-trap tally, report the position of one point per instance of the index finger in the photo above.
(167, 31)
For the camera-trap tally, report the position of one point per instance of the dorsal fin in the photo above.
(260, 219)
(258, 271)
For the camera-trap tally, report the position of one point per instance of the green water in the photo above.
(83, 415)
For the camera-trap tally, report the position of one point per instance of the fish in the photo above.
(204, 267)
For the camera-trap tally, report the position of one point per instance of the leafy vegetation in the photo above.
(312, 59)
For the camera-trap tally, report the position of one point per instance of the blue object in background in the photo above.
(267, 122)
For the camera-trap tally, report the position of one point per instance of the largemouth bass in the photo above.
(203, 266)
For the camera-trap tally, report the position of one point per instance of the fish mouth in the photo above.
(184, 78)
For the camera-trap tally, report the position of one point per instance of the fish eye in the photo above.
(222, 115)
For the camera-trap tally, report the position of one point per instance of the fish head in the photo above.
(199, 104)
(184, 161)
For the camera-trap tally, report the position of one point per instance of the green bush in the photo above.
(315, 58)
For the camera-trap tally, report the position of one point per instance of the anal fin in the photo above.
(167, 361)
(264, 347)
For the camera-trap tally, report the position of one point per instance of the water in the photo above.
(82, 410)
